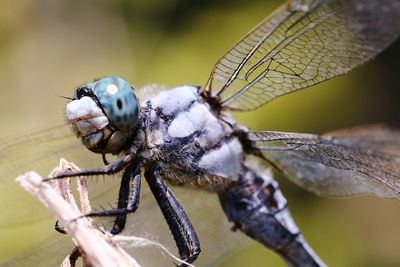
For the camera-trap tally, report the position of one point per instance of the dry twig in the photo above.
(98, 249)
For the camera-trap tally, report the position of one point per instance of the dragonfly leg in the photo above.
(111, 168)
(128, 199)
(127, 205)
(257, 207)
(59, 228)
(184, 234)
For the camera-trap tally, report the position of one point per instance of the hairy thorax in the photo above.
(193, 144)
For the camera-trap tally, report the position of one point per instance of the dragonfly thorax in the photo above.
(191, 142)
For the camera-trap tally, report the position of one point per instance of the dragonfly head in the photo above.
(104, 114)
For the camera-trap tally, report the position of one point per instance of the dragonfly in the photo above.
(186, 135)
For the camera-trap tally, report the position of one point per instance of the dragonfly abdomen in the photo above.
(257, 207)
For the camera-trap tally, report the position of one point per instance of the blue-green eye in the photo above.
(118, 101)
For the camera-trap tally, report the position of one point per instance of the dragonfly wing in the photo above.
(39, 151)
(303, 43)
(28, 220)
(361, 160)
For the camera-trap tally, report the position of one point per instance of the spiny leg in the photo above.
(128, 199)
(184, 234)
(111, 168)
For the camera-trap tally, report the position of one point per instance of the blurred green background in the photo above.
(48, 47)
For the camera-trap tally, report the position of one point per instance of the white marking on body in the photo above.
(112, 89)
(85, 116)
(175, 99)
(213, 132)
(225, 161)
(81, 108)
(286, 220)
(91, 125)
(189, 121)
(198, 118)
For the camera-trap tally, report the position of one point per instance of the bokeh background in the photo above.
(47, 48)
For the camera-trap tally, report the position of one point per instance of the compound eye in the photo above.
(118, 100)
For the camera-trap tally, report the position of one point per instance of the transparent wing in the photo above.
(362, 160)
(39, 151)
(23, 219)
(303, 43)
